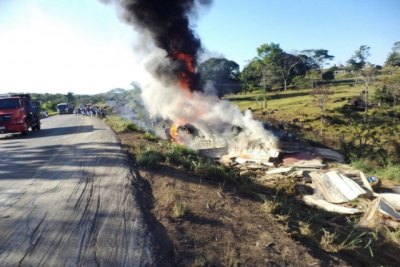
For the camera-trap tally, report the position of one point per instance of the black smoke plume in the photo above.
(167, 21)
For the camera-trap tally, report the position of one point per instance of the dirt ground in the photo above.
(205, 223)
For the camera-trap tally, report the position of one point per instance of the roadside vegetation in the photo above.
(120, 125)
(323, 231)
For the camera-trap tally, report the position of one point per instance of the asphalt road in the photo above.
(66, 198)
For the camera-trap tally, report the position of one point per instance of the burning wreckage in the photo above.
(218, 129)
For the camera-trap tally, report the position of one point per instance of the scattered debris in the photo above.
(302, 160)
(380, 212)
(393, 199)
(281, 170)
(364, 182)
(328, 154)
(226, 160)
(215, 153)
(293, 158)
(323, 180)
(387, 209)
(396, 189)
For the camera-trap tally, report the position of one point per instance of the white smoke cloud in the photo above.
(213, 117)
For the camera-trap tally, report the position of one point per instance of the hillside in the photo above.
(369, 141)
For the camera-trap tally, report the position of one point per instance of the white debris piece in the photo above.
(312, 200)
(280, 170)
(335, 187)
(365, 183)
(387, 209)
(393, 199)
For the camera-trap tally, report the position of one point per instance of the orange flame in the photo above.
(174, 131)
(184, 78)
(188, 59)
(184, 83)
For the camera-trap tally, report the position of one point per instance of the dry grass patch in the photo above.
(305, 229)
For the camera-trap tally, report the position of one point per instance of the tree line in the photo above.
(50, 101)
(272, 69)
(275, 69)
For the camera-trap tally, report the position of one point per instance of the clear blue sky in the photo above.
(236, 28)
(82, 46)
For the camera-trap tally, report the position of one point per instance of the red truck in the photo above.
(18, 113)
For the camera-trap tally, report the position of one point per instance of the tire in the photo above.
(23, 133)
(36, 127)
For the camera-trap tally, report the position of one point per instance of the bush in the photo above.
(132, 127)
(301, 82)
(328, 75)
(181, 156)
(150, 159)
(151, 137)
(383, 95)
(211, 172)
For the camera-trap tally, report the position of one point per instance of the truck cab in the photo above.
(18, 113)
(65, 108)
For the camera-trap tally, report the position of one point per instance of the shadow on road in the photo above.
(54, 161)
(50, 132)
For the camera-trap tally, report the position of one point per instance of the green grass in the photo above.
(121, 125)
(390, 171)
(150, 159)
(151, 137)
(187, 159)
(52, 113)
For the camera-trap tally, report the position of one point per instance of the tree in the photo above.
(279, 63)
(328, 75)
(318, 57)
(71, 98)
(313, 76)
(368, 74)
(390, 92)
(393, 59)
(223, 72)
(251, 75)
(359, 60)
(360, 66)
(320, 95)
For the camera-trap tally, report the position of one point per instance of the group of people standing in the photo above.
(90, 111)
